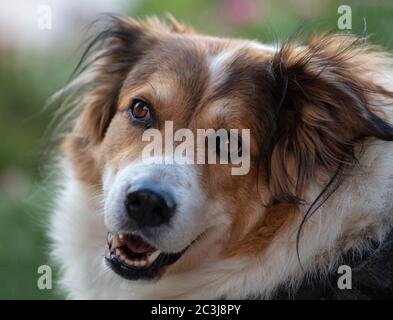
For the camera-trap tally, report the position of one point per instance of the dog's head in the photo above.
(151, 93)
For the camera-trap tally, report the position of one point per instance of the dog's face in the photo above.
(148, 77)
(161, 208)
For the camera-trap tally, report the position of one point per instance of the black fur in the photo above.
(372, 278)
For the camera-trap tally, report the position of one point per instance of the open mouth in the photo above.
(133, 258)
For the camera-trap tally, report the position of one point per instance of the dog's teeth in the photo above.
(135, 263)
(138, 263)
(153, 256)
(142, 263)
(116, 242)
(131, 262)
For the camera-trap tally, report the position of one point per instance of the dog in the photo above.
(317, 195)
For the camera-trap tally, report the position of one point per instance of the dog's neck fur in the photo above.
(356, 216)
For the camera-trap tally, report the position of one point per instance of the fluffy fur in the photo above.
(321, 181)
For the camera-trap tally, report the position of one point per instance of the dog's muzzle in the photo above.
(129, 255)
(154, 213)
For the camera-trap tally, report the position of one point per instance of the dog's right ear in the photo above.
(104, 66)
(108, 59)
(91, 97)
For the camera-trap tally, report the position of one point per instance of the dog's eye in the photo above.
(231, 146)
(139, 112)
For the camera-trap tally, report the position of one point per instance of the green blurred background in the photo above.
(34, 63)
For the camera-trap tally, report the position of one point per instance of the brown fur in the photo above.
(306, 107)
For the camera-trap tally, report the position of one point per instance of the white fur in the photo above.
(218, 65)
(78, 231)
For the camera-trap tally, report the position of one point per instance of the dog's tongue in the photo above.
(137, 245)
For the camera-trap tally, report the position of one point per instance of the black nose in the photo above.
(149, 206)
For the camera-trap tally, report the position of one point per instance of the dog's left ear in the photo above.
(325, 100)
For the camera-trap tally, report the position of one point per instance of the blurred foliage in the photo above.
(28, 78)
(24, 246)
(280, 20)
